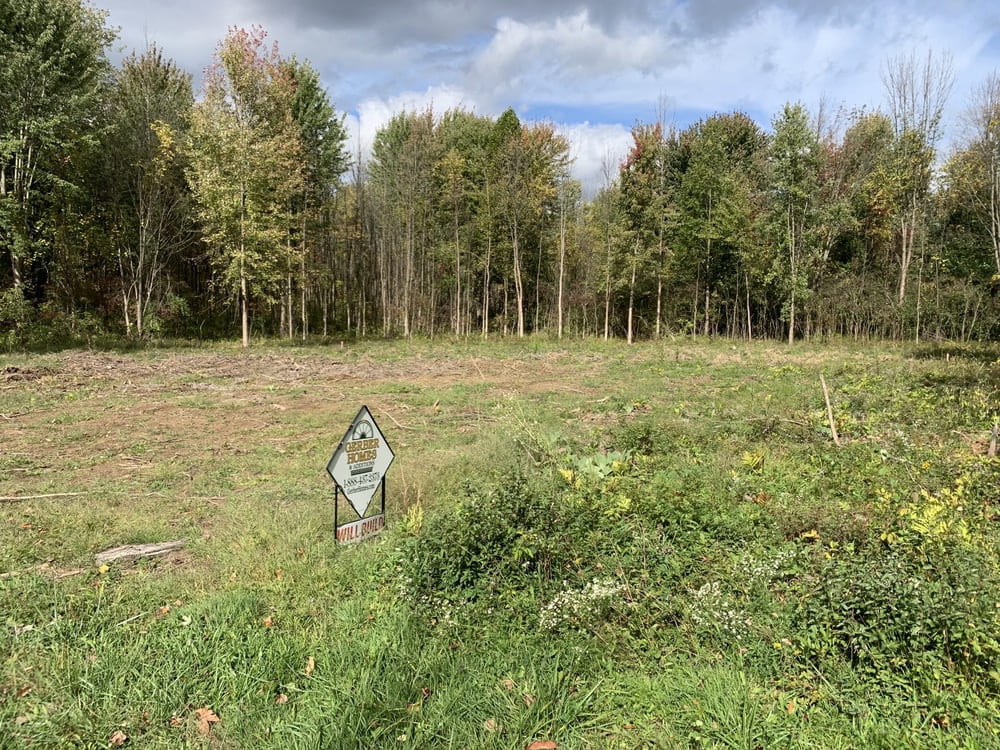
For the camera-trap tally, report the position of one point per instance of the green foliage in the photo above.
(152, 215)
(245, 167)
(15, 314)
(51, 84)
(907, 616)
(322, 133)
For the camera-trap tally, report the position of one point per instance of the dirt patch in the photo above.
(14, 374)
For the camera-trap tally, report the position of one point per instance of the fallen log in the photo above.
(132, 551)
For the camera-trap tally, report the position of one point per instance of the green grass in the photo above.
(601, 545)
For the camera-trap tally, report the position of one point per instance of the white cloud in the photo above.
(564, 58)
(375, 112)
(705, 55)
(596, 150)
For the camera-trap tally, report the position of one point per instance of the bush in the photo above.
(15, 314)
(906, 613)
(492, 535)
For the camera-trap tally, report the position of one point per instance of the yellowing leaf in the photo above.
(310, 666)
(281, 700)
(491, 725)
(104, 569)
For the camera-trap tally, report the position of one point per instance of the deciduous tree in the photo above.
(246, 164)
(149, 105)
(53, 65)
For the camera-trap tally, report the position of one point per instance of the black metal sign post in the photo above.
(358, 469)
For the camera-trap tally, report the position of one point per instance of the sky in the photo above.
(592, 68)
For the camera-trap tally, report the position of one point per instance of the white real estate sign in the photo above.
(360, 461)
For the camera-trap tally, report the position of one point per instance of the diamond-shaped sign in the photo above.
(360, 461)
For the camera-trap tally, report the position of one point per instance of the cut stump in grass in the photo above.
(134, 551)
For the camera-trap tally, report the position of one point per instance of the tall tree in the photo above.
(647, 188)
(322, 136)
(568, 201)
(982, 183)
(917, 92)
(53, 65)
(150, 102)
(246, 159)
(529, 163)
(719, 181)
(795, 181)
(402, 176)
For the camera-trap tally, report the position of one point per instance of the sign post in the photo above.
(358, 468)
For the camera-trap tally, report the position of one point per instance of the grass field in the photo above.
(591, 545)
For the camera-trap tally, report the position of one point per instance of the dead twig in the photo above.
(133, 617)
(44, 568)
(992, 452)
(18, 498)
(400, 426)
(775, 420)
(829, 411)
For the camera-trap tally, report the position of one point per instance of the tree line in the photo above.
(129, 205)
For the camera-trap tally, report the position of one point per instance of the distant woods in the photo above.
(130, 206)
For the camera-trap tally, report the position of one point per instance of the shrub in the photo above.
(906, 612)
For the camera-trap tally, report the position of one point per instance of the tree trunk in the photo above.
(486, 289)
(562, 270)
(631, 298)
(518, 281)
(458, 278)
(538, 287)
(792, 277)
(907, 226)
(302, 295)
(244, 312)
(607, 291)
(659, 285)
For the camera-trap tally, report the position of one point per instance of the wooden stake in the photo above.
(829, 411)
